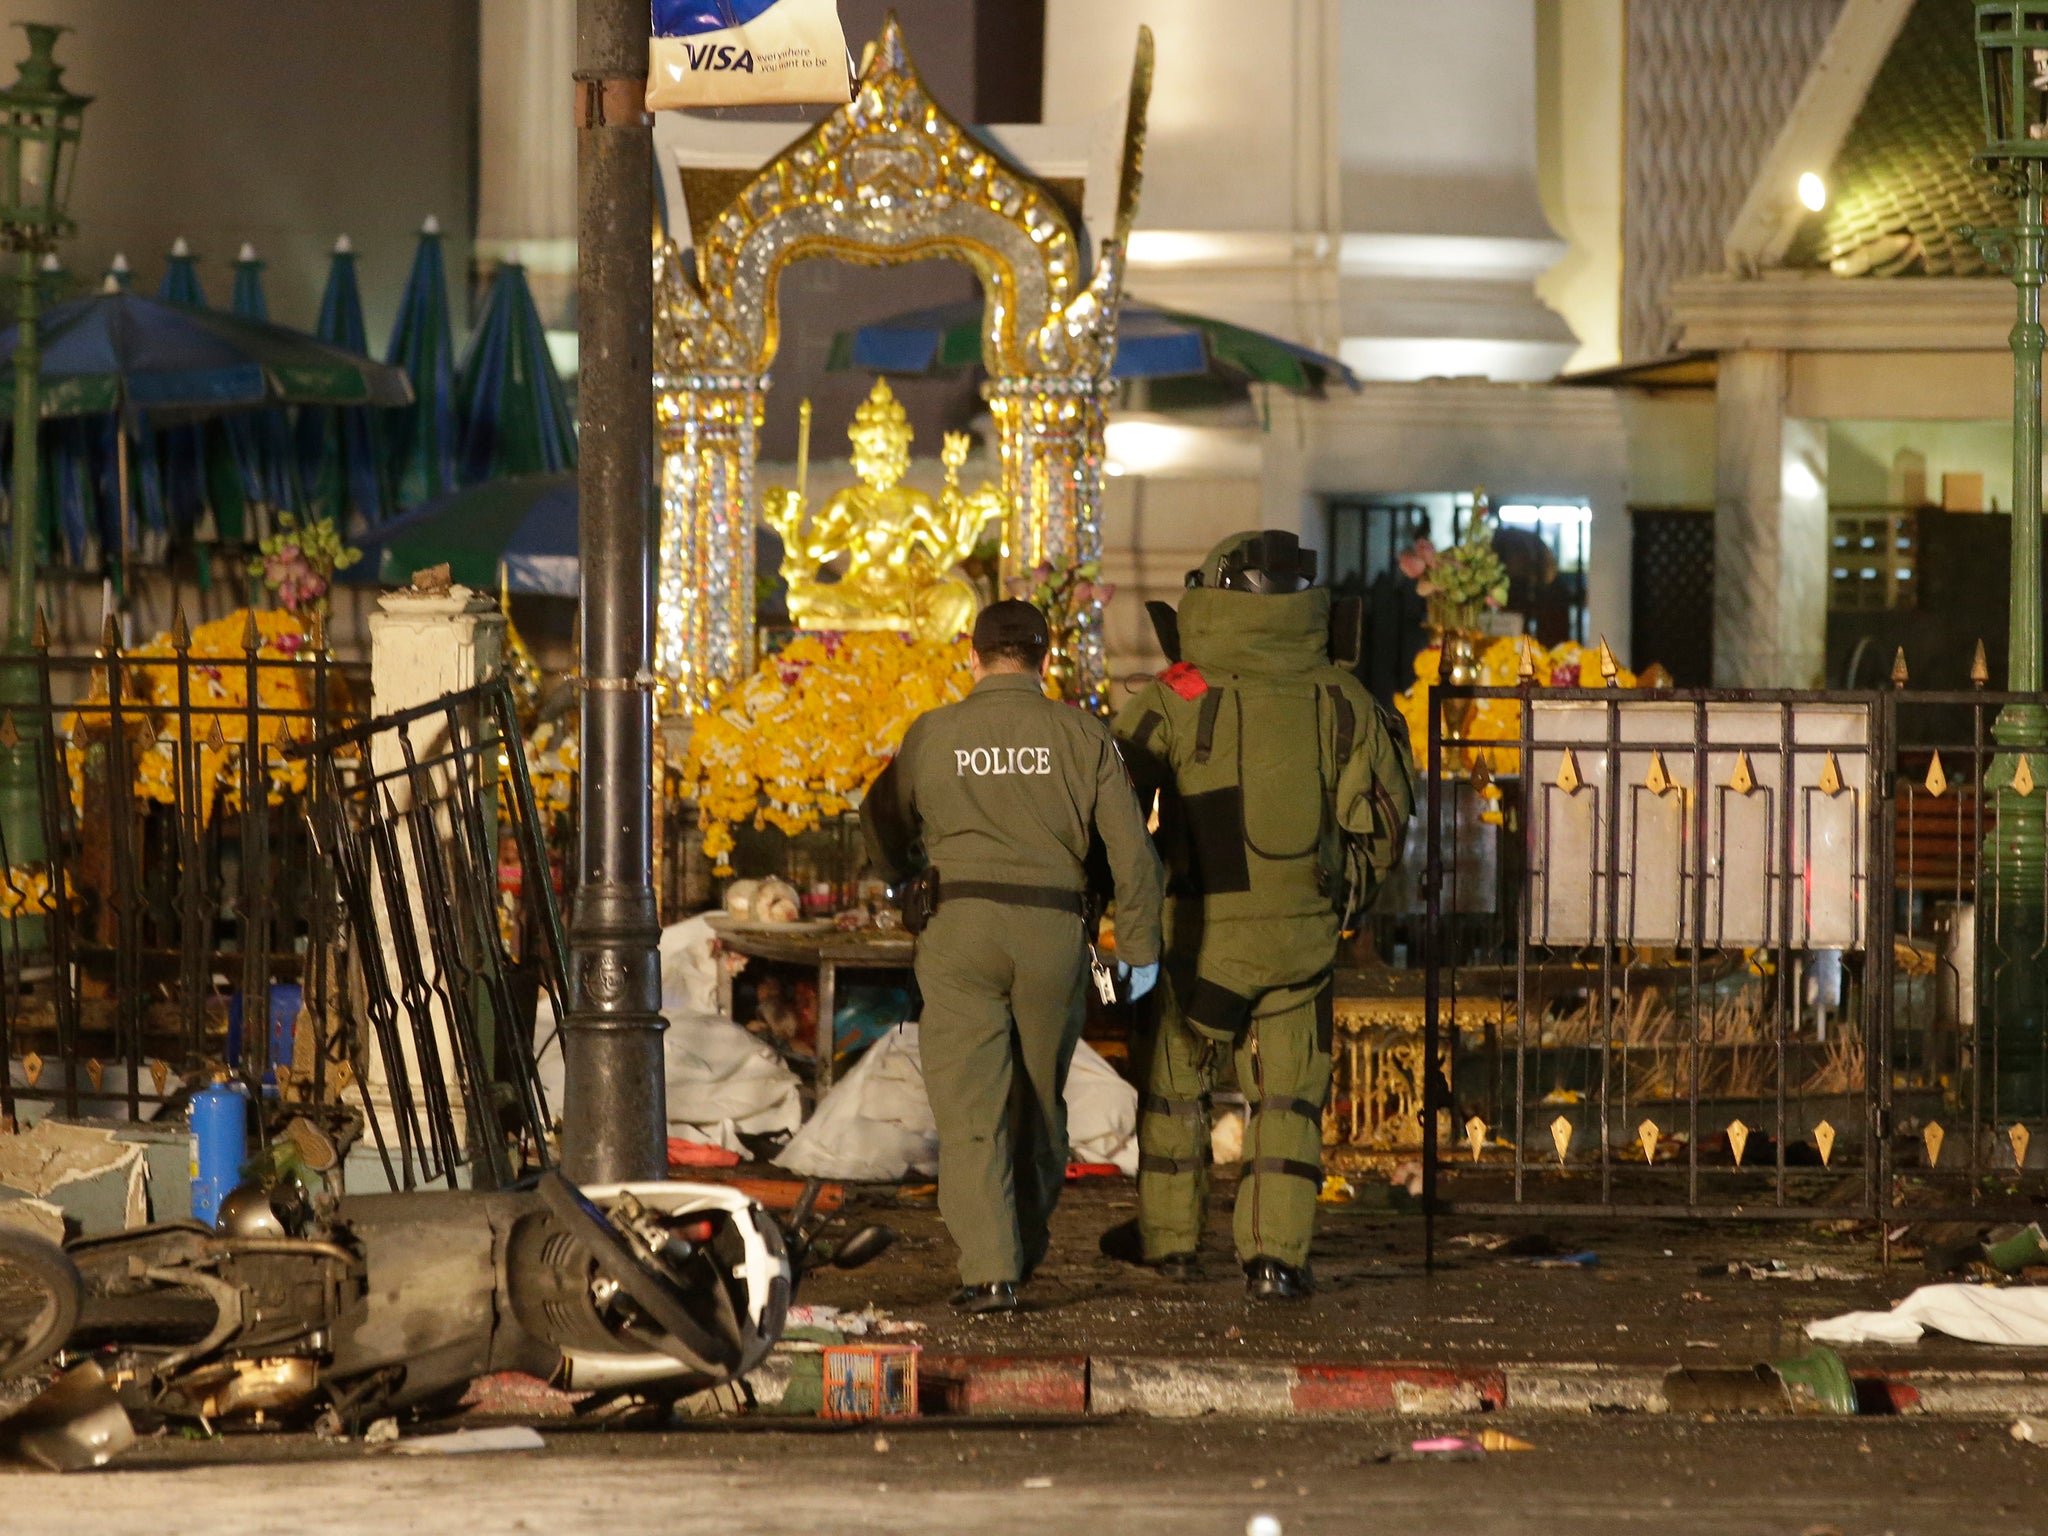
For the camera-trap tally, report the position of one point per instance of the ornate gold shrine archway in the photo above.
(888, 178)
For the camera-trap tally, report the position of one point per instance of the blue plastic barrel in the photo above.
(220, 1145)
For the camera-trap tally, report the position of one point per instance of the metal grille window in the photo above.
(1873, 559)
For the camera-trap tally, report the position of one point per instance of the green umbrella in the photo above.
(521, 525)
(341, 452)
(422, 437)
(1152, 343)
(515, 413)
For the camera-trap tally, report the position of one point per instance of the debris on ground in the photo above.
(822, 1324)
(1817, 1382)
(1262, 1525)
(2030, 1431)
(468, 1442)
(1980, 1314)
(1336, 1190)
(1998, 1252)
(73, 1425)
(1778, 1269)
(382, 1432)
(1584, 1260)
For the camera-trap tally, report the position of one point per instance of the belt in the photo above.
(1013, 895)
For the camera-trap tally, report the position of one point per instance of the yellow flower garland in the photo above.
(1498, 720)
(218, 680)
(810, 731)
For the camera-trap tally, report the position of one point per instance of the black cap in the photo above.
(1011, 625)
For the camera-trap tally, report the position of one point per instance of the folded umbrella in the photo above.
(341, 451)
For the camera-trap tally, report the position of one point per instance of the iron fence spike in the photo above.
(252, 633)
(110, 636)
(42, 633)
(181, 632)
(1980, 670)
(1899, 668)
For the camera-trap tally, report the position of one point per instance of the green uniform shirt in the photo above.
(1009, 786)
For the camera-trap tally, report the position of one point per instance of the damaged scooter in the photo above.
(287, 1313)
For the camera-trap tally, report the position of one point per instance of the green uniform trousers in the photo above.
(1283, 1069)
(1003, 1007)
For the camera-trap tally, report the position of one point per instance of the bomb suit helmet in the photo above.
(1267, 562)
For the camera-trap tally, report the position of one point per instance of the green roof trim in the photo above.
(1904, 177)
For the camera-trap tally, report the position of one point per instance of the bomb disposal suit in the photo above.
(998, 798)
(1284, 797)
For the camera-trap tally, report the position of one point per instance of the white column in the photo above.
(526, 144)
(1770, 531)
(422, 648)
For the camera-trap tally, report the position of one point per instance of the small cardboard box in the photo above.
(1962, 492)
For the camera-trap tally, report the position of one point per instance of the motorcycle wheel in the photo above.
(40, 1291)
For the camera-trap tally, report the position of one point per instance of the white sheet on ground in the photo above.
(721, 1080)
(1982, 1314)
(876, 1124)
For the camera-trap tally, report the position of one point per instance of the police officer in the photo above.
(1283, 800)
(998, 799)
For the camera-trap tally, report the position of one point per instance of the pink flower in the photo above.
(1104, 591)
(1416, 559)
(1565, 675)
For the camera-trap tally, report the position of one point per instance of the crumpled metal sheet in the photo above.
(50, 1155)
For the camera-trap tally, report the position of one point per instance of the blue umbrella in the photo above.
(150, 364)
(515, 413)
(260, 441)
(422, 438)
(1151, 343)
(341, 451)
(180, 283)
(522, 524)
(179, 474)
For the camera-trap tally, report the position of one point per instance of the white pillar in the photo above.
(526, 144)
(421, 648)
(1770, 531)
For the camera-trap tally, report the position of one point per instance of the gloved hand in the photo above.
(1137, 980)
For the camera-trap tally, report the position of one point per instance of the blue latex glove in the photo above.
(1137, 980)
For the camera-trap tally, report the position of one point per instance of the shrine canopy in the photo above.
(1151, 343)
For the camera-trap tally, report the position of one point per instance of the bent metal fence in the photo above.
(1726, 953)
(427, 817)
(162, 917)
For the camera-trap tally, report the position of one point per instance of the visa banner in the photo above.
(737, 53)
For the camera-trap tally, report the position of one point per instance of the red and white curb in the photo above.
(1180, 1389)
(1071, 1386)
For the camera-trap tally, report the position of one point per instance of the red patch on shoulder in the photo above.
(1185, 679)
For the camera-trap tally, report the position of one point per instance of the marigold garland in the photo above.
(810, 731)
(218, 680)
(1499, 720)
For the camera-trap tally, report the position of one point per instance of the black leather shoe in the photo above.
(1271, 1280)
(996, 1296)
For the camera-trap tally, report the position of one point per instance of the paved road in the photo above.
(1645, 1302)
(1587, 1477)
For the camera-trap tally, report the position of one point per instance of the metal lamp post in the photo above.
(614, 1117)
(2012, 67)
(39, 130)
